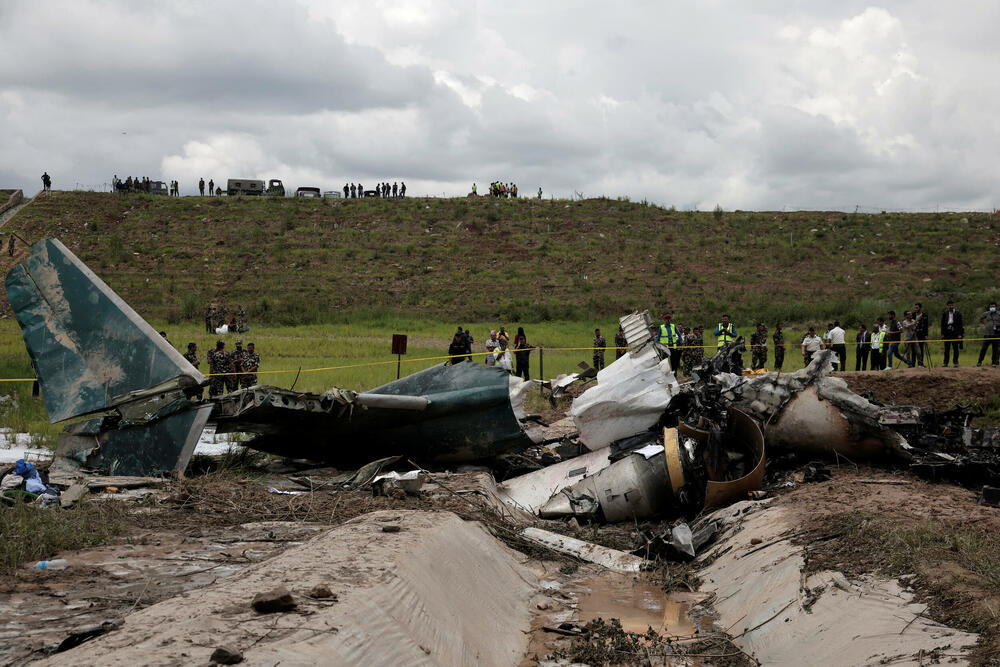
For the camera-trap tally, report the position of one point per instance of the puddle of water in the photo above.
(638, 604)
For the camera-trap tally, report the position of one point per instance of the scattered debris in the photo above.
(273, 601)
(321, 592)
(225, 655)
(619, 561)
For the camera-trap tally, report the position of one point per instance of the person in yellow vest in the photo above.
(877, 354)
(670, 336)
(725, 331)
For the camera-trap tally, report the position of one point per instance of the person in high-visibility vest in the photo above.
(671, 336)
(725, 331)
(877, 354)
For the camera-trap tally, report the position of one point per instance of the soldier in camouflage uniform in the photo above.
(218, 363)
(210, 319)
(621, 343)
(693, 354)
(599, 345)
(237, 365)
(251, 362)
(779, 347)
(192, 356)
(758, 347)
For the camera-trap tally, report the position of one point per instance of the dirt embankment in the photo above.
(940, 388)
(935, 537)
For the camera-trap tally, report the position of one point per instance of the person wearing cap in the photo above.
(218, 363)
(811, 344)
(491, 347)
(725, 331)
(251, 362)
(672, 338)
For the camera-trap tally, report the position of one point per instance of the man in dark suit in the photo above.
(952, 331)
(864, 345)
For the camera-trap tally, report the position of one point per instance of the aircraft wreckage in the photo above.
(655, 446)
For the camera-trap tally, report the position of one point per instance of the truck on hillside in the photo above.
(254, 187)
(244, 186)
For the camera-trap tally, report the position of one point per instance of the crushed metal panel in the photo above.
(463, 412)
(88, 347)
(532, 490)
(153, 448)
(630, 396)
(638, 328)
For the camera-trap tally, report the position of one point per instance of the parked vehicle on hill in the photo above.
(332, 194)
(308, 192)
(158, 188)
(244, 186)
(275, 188)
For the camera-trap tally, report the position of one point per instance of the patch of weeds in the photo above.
(604, 642)
(29, 533)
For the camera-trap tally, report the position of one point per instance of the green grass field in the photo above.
(353, 356)
(327, 282)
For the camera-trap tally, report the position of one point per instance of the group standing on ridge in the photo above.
(501, 189)
(384, 190)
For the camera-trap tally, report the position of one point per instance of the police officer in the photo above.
(725, 331)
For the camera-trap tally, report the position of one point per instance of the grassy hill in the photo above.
(297, 261)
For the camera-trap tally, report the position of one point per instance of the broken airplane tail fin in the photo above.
(89, 349)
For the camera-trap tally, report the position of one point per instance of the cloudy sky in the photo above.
(768, 104)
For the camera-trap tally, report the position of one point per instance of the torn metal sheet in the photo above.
(159, 447)
(90, 350)
(529, 492)
(631, 395)
(808, 411)
(458, 413)
(615, 560)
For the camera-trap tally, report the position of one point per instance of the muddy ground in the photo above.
(863, 520)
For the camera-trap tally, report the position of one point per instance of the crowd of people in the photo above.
(498, 350)
(218, 319)
(229, 371)
(889, 339)
(354, 191)
(501, 189)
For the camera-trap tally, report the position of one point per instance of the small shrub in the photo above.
(717, 213)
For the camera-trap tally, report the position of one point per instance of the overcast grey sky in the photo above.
(753, 105)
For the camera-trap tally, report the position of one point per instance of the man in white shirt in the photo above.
(811, 344)
(838, 346)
